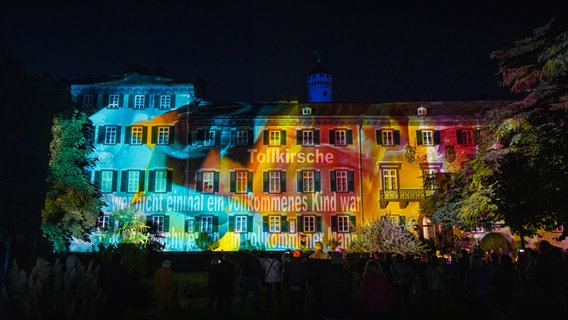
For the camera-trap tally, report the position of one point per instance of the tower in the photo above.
(319, 84)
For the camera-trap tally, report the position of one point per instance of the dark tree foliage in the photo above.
(28, 104)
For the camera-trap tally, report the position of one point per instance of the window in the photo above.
(307, 137)
(430, 178)
(189, 225)
(113, 101)
(242, 137)
(340, 137)
(209, 139)
(274, 137)
(165, 102)
(309, 223)
(111, 133)
(241, 181)
(428, 137)
(139, 101)
(136, 134)
(465, 137)
(240, 224)
(208, 182)
(160, 181)
(387, 137)
(206, 224)
(292, 226)
(308, 181)
(390, 179)
(107, 181)
(158, 223)
(88, 101)
(103, 221)
(274, 181)
(342, 223)
(342, 180)
(274, 224)
(132, 180)
(163, 135)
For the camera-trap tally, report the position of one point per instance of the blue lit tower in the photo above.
(319, 84)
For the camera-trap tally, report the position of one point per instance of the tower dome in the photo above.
(319, 84)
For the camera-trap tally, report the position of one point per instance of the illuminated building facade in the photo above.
(274, 175)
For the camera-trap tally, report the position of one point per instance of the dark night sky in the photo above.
(253, 51)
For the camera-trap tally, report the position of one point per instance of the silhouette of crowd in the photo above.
(334, 285)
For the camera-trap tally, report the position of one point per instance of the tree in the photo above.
(72, 204)
(520, 175)
(383, 235)
(29, 103)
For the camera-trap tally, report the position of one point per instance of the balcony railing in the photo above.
(405, 194)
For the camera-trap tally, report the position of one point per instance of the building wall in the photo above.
(165, 174)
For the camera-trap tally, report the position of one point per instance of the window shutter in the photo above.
(317, 186)
(169, 180)
(232, 181)
(217, 137)
(250, 137)
(459, 136)
(352, 222)
(141, 181)
(216, 181)
(149, 222)
(350, 181)
(283, 181)
(300, 223)
(299, 137)
(171, 135)
(265, 137)
(200, 135)
(151, 180)
(265, 223)
(284, 224)
(283, 137)
(114, 180)
(437, 139)
(166, 223)
(249, 181)
(334, 223)
(124, 180)
(299, 184)
(98, 175)
(127, 135)
(316, 137)
(231, 223)
(265, 183)
(199, 181)
(197, 224)
(379, 137)
(331, 136)
(318, 224)
(249, 224)
(419, 137)
(101, 134)
(215, 226)
(144, 134)
(186, 226)
(173, 101)
(477, 136)
(349, 136)
(332, 181)
(396, 134)
(154, 138)
(146, 101)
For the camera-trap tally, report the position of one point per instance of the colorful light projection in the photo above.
(360, 157)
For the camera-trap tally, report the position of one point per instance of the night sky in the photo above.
(260, 51)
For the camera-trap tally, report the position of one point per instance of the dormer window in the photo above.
(306, 111)
(422, 111)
